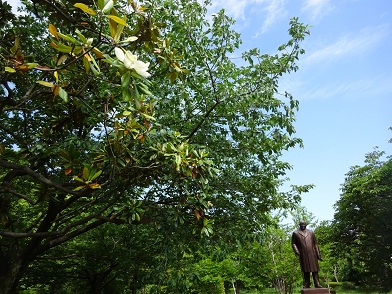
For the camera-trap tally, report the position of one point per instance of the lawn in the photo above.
(297, 291)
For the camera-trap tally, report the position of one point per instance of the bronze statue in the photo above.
(305, 246)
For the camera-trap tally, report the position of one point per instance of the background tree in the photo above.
(122, 113)
(362, 223)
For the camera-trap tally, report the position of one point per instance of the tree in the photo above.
(362, 223)
(125, 113)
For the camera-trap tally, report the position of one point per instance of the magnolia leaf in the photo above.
(96, 175)
(63, 94)
(94, 70)
(101, 4)
(85, 8)
(117, 20)
(16, 46)
(56, 75)
(86, 64)
(79, 188)
(112, 27)
(9, 69)
(98, 53)
(126, 79)
(80, 35)
(94, 186)
(148, 116)
(130, 39)
(62, 59)
(31, 65)
(68, 38)
(178, 161)
(127, 95)
(76, 178)
(46, 84)
(108, 6)
(94, 62)
(86, 173)
(63, 48)
(53, 31)
(119, 31)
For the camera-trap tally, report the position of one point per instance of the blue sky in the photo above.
(344, 83)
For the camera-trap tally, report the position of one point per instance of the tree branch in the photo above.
(28, 171)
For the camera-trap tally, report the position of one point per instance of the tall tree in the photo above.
(122, 113)
(362, 224)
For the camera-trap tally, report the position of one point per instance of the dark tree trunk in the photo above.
(9, 281)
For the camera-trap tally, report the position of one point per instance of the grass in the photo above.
(297, 291)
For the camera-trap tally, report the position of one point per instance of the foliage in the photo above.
(135, 114)
(362, 224)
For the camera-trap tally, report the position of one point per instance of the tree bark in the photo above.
(9, 281)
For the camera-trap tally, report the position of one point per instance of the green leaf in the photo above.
(45, 83)
(9, 69)
(96, 175)
(127, 95)
(86, 64)
(32, 65)
(80, 35)
(63, 95)
(85, 8)
(126, 79)
(68, 38)
(63, 48)
(108, 6)
(86, 173)
(117, 20)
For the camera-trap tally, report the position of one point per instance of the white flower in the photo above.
(130, 61)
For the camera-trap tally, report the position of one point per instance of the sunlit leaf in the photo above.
(98, 53)
(79, 188)
(53, 31)
(96, 175)
(45, 83)
(56, 75)
(86, 173)
(94, 186)
(62, 59)
(63, 94)
(117, 20)
(63, 48)
(86, 64)
(9, 69)
(31, 65)
(108, 6)
(85, 8)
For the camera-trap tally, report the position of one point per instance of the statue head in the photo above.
(302, 225)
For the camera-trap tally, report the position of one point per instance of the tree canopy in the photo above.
(116, 112)
(362, 224)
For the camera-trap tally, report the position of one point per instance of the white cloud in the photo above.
(275, 11)
(317, 8)
(349, 45)
(234, 8)
(270, 11)
(352, 89)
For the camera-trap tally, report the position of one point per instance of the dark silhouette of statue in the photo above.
(305, 246)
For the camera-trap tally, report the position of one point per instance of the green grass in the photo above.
(297, 291)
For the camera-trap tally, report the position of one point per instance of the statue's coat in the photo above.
(305, 246)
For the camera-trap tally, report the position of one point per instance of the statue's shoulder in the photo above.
(295, 232)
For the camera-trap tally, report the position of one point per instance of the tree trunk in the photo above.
(9, 281)
(335, 273)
